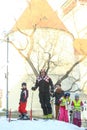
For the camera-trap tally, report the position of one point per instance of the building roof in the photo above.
(40, 14)
(80, 46)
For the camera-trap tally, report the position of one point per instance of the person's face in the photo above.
(23, 86)
(77, 98)
(67, 97)
(42, 73)
(58, 86)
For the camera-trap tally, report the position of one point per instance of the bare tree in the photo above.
(70, 70)
(47, 63)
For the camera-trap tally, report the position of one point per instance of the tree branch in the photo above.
(69, 71)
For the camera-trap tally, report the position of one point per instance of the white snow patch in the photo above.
(36, 125)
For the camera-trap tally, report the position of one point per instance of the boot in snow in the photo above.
(49, 116)
(45, 117)
(20, 117)
(26, 117)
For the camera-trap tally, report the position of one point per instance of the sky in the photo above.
(9, 11)
(36, 125)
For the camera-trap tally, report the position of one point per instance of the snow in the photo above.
(36, 125)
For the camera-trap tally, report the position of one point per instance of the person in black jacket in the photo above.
(45, 85)
(58, 93)
(23, 101)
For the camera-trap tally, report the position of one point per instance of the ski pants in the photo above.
(57, 110)
(77, 118)
(45, 103)
(63, 115)
(22, 107)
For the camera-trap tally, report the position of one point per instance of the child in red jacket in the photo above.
(23, 102)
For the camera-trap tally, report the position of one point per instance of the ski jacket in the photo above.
(58, 94)
(77, 105)
(64, 101)
(45, 84)
(24, 95)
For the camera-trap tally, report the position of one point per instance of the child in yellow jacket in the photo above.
(63, 111)
(77, 106)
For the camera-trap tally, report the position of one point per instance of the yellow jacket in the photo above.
(77, 105)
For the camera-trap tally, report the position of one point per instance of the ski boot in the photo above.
(26, 117)
(50, 116)
(45, 117)
(20, 117)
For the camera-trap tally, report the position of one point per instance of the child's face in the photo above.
(23, 86)
(67, 97)
(77, 98)
(58, 86)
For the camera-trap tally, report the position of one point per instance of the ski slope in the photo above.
(36, 125)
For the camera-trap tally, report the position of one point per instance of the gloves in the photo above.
(71, 111)
(52, 90)
(33, 88)
(72, 107)
(67, 103)
(82, 108)
(51, 94)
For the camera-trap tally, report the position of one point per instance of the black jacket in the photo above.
(45, 84)
(24, 95)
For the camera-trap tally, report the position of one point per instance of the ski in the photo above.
(37, 119)
(18, 120)
(33, 119)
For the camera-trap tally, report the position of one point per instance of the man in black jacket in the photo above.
(45, 85)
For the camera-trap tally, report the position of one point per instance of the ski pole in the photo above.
(52, 104)
(31, 105)
(9, 116)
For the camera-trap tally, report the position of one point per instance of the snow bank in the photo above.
(36, 125)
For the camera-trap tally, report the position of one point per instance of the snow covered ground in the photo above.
(36, 125)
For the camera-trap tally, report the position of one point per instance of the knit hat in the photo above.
(23, 84)
(43, 70)
(76, 95)
(66, 94)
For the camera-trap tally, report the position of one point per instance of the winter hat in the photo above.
(66, 94)
(76, 95)
(23, 84)
(43, 70)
